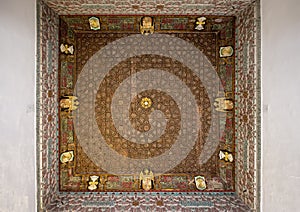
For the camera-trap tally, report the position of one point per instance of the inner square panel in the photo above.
(135, 104)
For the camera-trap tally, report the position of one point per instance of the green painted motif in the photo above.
(76, 22)
(66, 80)
(174, 182)
(66, 131)
(70, 34)
(226, 30)
(246, 155)
(120, 183)
(120, 23)
(173, 23)
(69, 182)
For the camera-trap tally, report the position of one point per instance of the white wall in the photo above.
(17, 68)
(281, 100)
(281, 97)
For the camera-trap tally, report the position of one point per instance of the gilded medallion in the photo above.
(146, 102)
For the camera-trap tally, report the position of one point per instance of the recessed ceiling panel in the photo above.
(132, 101)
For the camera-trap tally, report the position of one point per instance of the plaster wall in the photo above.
(280, 40)
(17, 99)
(281, 98)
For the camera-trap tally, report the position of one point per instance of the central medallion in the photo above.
(146, 102)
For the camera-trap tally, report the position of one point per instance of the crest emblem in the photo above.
(146, 179)
(68, 103)
(226, 51)
(93, 183)
(223, 104)
(200, 23)
(94, 23)
(147, 25)
(67, 49)
(67, 157)
(226, 156)
(200, 183)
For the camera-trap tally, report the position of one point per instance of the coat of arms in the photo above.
(200, 23)
(146, 179)
(223, 104)
(68, 103)
(67, 157)
(67, 49)
(94, 23)
(147, 25)
(226, 156)
(200, 182)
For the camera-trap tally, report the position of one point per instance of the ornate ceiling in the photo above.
(220, 62)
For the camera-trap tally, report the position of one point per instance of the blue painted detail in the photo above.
(245, 156)
(49, 56)
(246, 57)
(98, 203)
(49, 153)
(196, 204)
